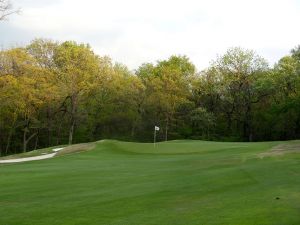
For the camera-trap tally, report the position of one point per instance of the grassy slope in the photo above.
(179, 182)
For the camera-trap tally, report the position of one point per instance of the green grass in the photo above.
(175, 183)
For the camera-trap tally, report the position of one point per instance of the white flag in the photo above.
(156, 128)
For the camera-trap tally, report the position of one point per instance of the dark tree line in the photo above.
(57, 93)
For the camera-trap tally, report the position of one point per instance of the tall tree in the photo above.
(240, 72)
(43, 50)
(24, 88)
(167, 85)
(77, 68)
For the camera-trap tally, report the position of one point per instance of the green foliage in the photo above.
(55, 93)
(202, 121)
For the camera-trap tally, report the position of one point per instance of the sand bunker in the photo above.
(40, 157)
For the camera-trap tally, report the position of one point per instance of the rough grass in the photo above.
(282, 149)
(76, 148)
(176, 183)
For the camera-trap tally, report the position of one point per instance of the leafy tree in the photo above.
(49, 90)
(77, 68)
(240, 72)
(23, 84)
(167, 86)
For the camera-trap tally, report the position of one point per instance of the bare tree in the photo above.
(6, 9)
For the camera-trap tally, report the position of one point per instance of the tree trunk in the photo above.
(248, 124)
(208, 132)
(132, 130)
(26, 141)
(58, 134)
(8, 141)
(49, 126)
(73, 117)
(229, 123)
(10, 135)
(166, 131)
(36, 141)
(71, 132)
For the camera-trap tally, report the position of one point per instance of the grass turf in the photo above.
(175, 183)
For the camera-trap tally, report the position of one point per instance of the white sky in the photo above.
(137, 31)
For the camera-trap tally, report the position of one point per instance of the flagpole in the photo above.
(154, 137)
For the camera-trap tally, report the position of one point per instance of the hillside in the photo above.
(177, 182)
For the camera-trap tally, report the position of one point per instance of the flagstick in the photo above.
(154, 137)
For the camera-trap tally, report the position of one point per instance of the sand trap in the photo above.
(28, 158)
(57, 149)
(33, 158)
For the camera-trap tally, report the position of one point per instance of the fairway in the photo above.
(175, 183)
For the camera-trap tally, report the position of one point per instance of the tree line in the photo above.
(54, 93)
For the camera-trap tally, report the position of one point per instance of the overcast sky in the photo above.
(137, 31)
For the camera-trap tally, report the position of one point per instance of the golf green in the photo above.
(175, 183)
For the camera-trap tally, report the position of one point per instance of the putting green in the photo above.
(175, 183)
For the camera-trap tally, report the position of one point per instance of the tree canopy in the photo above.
(55, 93)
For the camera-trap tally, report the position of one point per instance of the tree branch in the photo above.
(6, 9)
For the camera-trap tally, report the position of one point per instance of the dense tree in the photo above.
(55, 93)
(77, 71)
(22, 92)
(238, 75)
(167, 86)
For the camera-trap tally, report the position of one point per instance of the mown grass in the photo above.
(175, 183)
